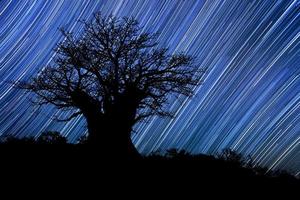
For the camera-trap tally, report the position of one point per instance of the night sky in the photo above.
(250, 98)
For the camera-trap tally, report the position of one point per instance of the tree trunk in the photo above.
(122, 119)
(111, 136)
(111, 132)
(123, 136)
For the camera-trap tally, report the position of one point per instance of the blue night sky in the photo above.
(250, 98)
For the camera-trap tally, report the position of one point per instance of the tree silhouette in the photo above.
(115, 76)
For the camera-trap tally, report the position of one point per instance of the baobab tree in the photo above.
(115, 76)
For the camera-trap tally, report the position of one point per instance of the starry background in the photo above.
(249, 101)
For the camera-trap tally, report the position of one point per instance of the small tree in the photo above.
(115, 76)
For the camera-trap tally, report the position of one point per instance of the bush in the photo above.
(51, 138)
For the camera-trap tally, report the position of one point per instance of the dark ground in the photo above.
(87, 168)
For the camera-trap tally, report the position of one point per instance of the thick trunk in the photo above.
(122, 131)
(122, 119)
(111, 132)
(111, 136)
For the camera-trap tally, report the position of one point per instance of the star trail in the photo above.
(249, 100)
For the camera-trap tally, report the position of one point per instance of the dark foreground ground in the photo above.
(85, 167)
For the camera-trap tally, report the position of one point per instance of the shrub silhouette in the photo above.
(229, 164)
(175, 153)
(46, 138)
(232, 157)
(83, 140)
(11, 140)
(54, 138)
